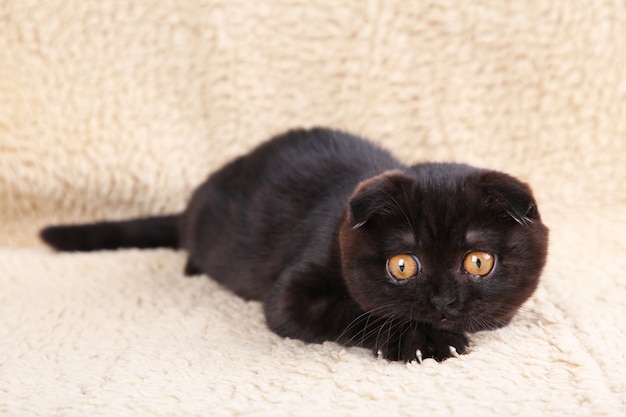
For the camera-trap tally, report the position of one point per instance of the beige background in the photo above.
(112, 109)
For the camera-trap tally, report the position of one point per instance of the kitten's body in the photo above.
(307, 224)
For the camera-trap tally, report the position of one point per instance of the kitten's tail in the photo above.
(148, 232)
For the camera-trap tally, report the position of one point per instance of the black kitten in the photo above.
(343, 242)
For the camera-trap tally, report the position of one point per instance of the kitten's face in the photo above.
(444, 244)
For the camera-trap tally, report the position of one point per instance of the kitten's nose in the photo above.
(442, 302)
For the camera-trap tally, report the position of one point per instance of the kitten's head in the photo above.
(447, 244)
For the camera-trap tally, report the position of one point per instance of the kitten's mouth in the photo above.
(446, 323)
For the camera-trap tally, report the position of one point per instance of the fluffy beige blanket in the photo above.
(111, 109)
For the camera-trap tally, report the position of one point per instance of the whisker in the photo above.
(528, 312)
(367, 332)
(406, 326)
(381, 330)
(367, 317)
(366, 313)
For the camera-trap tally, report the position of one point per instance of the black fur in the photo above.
(306, 223)
(151, 232)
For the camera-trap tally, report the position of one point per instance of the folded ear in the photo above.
(511, 195)
(377, 195)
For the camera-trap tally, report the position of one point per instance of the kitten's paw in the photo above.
(403, 355)
(404, 345)
(416, 343)
(454, 352)
(443, 344)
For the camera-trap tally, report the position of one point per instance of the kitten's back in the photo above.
(277, 205)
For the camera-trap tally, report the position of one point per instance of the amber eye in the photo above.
(478, 263)
(403, 267)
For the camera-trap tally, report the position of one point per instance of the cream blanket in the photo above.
(111, 109)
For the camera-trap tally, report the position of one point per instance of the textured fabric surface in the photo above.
(115, 109)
